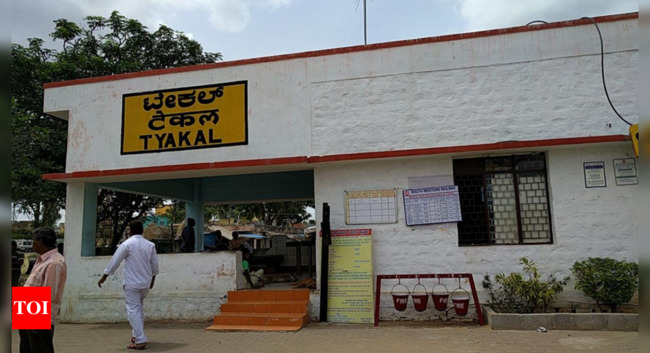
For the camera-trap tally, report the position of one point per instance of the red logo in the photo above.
(31, 308)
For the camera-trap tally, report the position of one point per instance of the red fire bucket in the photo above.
(461, 302)
(400, 299)
(421, 299)
(440, 299)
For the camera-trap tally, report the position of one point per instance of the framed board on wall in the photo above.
(432, 205)
(595, 174)
(371, 206)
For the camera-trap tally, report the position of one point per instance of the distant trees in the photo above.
(270, 213)
(98, 47)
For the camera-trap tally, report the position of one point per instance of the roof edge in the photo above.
(336, 157)
(345, 50)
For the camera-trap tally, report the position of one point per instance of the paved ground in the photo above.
(388, 337)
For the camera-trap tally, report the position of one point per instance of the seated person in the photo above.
(253, 279)
(238, 243)
(221, 242)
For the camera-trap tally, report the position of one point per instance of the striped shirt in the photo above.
(51, 271)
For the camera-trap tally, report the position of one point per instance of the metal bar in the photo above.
(377, 301)
(324, 263)
(476, 303)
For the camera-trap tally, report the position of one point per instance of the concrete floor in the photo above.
(408, 337)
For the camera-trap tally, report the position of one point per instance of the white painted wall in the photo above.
(517, 86)
(595, 222)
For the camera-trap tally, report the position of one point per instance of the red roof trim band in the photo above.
(344, 50)
(337, 157)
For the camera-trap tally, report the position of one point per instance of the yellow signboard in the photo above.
(185, 118)
(634, 133)
(350, 293)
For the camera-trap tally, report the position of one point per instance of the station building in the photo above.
(513, 122)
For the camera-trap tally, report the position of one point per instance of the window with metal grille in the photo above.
(503, 200)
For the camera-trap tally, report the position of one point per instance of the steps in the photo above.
(263, 310)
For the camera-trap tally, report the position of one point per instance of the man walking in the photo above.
(140, 270)
(49, 271)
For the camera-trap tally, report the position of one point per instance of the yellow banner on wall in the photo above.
(350, 290)
(185, 118)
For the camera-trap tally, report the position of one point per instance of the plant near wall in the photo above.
(609, 282)
(523, 292)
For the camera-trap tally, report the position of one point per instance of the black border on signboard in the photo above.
(584, 170)
(245, 142)
(406, 218)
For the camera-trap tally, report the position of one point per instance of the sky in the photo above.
(241, 29)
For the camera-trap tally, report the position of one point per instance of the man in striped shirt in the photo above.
(49, 271)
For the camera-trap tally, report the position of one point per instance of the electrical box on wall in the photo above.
(634, 133)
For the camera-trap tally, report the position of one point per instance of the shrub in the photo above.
(22, 233)
(522, 293)
(609, 282)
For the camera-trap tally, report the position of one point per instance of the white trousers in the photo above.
(256, 277)
(134, 310)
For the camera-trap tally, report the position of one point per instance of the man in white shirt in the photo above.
(140, 270)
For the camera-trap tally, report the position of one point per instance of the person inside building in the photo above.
(140, 270)
(254, 278)
(49, 270)
(188, 236)
(221, 242)
(239, 243)
(17, 259)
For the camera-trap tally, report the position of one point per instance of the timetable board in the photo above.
(431, 205)
(371, 206)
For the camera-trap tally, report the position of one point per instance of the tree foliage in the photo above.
(39, 141)
(117, 209)
(269, 213)
(607, 281)
(98, 47)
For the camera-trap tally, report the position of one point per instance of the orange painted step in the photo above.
(261, 319)
(268, 295)
(263, 310)
(265, 307)
(252, 328)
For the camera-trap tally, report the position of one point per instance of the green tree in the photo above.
(39, 141)
(270, 213)
(175, 213)
(98, 47)
(117, 209)
(231, 212)
(279, 213)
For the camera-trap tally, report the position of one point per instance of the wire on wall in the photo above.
(602, 68)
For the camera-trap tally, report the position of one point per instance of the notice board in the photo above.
(350, 291)
(371, 206)
(440, 204)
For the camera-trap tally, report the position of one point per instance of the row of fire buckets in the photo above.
(440, 297)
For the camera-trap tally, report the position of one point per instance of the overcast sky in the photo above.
(241, 29)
